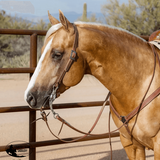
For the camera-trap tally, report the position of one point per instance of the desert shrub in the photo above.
(15, 49)
(84, 17)
(15, 62)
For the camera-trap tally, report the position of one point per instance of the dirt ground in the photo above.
(14, 126)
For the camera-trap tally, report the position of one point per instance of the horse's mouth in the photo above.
(39, 98)
(37, 101)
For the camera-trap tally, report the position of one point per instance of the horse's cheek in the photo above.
(74, 76)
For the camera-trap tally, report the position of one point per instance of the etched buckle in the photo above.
(73, 57)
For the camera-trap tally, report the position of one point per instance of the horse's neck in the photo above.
(123, 66)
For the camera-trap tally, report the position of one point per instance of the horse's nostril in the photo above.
(31, 100)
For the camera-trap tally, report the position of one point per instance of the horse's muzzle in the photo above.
(31, 100)
(36, 101)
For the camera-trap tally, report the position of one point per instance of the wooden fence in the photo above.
(32, 113)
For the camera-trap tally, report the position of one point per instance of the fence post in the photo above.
(32, 114)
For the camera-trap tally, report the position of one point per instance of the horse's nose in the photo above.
(31, 100)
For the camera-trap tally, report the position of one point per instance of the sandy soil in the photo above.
(14, 126)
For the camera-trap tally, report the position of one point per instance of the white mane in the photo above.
(53, 29)
(108, 26)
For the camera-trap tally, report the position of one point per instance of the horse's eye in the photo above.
(57, 56)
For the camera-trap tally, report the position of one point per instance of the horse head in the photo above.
(56, 52)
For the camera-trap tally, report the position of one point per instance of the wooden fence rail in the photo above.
(32, 113)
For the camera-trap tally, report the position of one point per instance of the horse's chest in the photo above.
(143, 128)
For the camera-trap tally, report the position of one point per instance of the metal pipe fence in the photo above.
(33, 62)
(32, 113)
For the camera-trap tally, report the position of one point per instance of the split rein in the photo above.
(56, 116)
(125, 119)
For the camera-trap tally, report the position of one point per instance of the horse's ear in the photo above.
(52, 19)
(64, 20)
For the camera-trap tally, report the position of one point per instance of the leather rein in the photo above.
(125, 119)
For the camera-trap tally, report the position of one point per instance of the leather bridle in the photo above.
(56, 93)
(125, 119)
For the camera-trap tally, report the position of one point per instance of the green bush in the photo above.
(15, 49)
(141, 17)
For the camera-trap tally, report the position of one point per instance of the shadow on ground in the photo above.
(116, 155)
(120, 155)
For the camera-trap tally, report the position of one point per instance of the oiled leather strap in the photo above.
(137, 109)
(144, 104)
(96, 121)
(71, 60)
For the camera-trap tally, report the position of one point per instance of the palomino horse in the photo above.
(121, 61)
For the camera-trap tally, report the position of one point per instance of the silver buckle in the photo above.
(53, 95)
